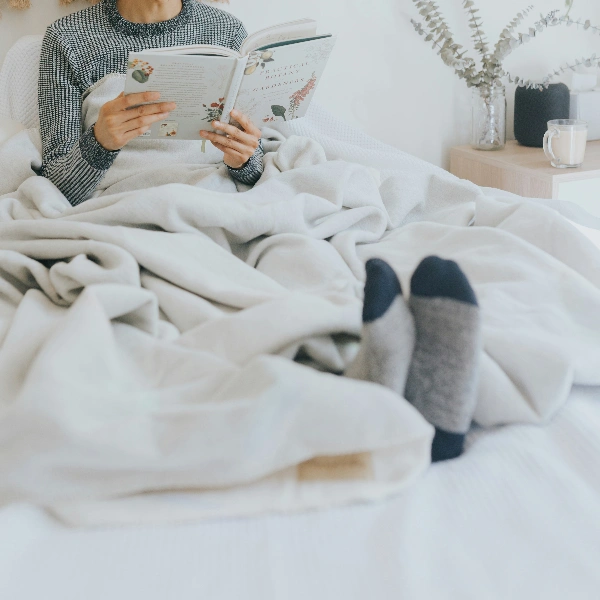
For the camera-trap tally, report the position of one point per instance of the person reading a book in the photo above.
(425, 350)
(83, 48)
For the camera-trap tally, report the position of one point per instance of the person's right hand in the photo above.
(118, 123)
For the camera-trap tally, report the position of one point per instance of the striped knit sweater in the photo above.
(82, 48)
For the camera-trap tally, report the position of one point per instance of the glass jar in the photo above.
(489, 117)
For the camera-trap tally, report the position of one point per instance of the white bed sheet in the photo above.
(518, 516)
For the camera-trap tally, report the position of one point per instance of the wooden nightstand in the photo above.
(527, 172)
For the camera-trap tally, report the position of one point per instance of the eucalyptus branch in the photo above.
(591, 61)
(435, 29)
(569, 5)
(442, 38)
(430, 11)
(552, 21)
(510, 28)
(510, 42)
(463, 66)
(586, 24)
(439, 31)
(475, 23)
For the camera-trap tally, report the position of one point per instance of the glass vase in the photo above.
(489, 117)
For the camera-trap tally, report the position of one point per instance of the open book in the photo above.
(272, 78)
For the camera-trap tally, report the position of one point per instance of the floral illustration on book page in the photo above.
(214, 111)
(141, 70)
(301, 95)
(257, 58)
(295, 99)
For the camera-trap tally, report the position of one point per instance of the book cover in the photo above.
(280, 81)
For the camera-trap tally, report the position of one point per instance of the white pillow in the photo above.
(8, 128)
(19, 80)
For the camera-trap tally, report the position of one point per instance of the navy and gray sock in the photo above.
(388, 333)
(443, 375)
(427, 351)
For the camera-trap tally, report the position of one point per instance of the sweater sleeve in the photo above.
(238, 37)
(72, 159)
(251, 171)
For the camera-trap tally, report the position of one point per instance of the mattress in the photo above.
(518, 516)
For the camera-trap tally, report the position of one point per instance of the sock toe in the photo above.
(437, 277)
(446, 445)
(381, 288)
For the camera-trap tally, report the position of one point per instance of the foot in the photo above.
(388, 331)
(442, 380)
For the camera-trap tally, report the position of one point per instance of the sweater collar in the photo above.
(147, 29)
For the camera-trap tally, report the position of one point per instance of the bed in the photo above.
(518, 516)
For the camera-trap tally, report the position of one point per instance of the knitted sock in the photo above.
(388, 333)
(442, 380)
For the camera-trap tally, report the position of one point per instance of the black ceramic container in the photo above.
(534, 108)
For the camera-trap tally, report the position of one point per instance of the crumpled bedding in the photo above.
(181, 337)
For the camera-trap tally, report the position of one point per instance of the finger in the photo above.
(229, 150)
(236, 133)
(134, 124)
(246, 123)
(139, 98)
(149, 109)
(230, 143)
(233, 155)
(135, 133)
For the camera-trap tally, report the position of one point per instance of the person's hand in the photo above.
(118, 123)
(240, 144)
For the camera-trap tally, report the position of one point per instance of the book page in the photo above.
(280, 82)
(194, 49)
(301, 28)
(198, 84)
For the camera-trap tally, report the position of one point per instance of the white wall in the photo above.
(382, 76)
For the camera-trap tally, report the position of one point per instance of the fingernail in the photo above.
(216, 123)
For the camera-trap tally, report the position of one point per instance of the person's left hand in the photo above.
(240, 144)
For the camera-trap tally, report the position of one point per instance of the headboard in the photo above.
(18, 81)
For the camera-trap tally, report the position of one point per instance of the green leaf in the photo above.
(140, 76)
(278, 111)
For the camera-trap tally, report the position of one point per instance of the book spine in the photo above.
(234, 88)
